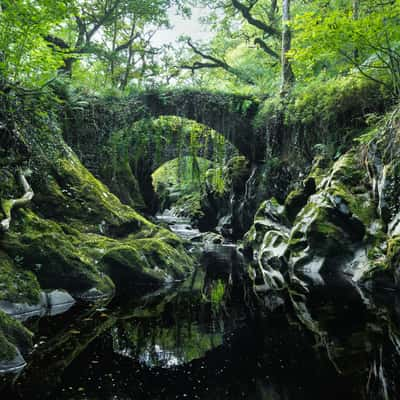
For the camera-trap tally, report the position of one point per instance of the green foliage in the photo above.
(156, 140)
(323, 116)
(25, 56)
(180, 173)
(16, 284)
(179, 187)
(335, 38)
(217, 294)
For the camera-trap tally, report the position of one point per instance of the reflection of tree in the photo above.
(178, 333)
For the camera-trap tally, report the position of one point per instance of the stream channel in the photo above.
(206, 338)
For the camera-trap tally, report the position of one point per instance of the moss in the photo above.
(7, 349)
(12, 335)
(297, 198)
(313, 227)
(63, 257)
(236, 173)
(8, 187)
(189, 206)
(319, 169)
(145, 262)
(393, 252)
(163, 255)
(123, 183)
(349, 169)
(72, 194)
(73, 223)
(58, 257)
(16, 284)
(390, 191)
(360, 204)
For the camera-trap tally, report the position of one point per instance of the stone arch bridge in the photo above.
(89, 128)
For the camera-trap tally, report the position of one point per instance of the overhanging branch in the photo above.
(266, 48)
(246, 13)
(214, 63)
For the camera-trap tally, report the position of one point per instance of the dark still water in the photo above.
(206, 340)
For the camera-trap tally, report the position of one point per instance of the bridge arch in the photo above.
(231, 115)
(149, 143)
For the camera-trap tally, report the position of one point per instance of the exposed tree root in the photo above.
(8, 205)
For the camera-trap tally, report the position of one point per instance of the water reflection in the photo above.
(201, 341)
(175, 331)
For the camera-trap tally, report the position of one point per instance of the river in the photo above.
(210, 338)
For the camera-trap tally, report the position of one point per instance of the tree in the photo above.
(25, 58)
(361, 36)
(259, 25)
(109, 30)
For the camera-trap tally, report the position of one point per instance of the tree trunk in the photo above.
(356, 16)
(287, 76)
(125, 79)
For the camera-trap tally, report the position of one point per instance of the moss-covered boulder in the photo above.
(63, 257)
(14, 338)
(148, 262)
(71, 194)
(55, 254)
(335, 223)
(17, 285)
(76, 228)
(123, 183)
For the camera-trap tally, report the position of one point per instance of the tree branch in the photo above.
(215, 63)
(266, 48)
(9, 205)
(246, 13)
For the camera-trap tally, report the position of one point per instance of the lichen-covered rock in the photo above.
(297, 198)
(269, 216)
(335, 230)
